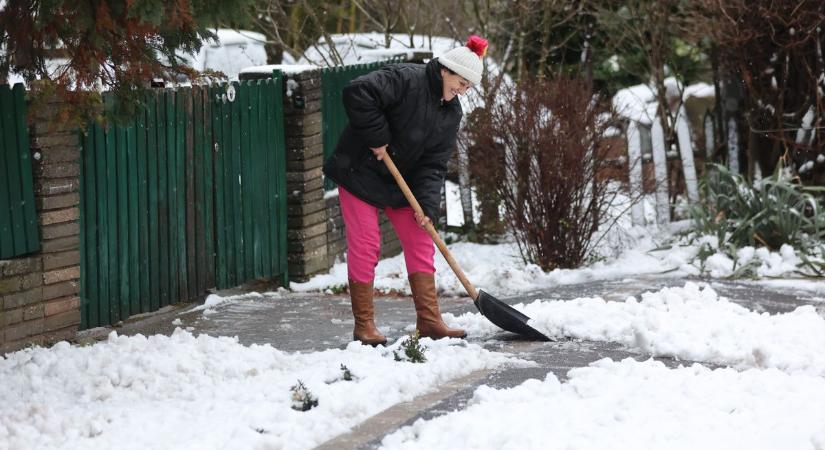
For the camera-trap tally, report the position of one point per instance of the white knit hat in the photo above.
(466, 62)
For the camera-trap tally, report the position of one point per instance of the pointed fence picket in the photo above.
(657, 142)
(659, 155)
(710, 136)
(634, 161)
(733, 145)
(686, 154)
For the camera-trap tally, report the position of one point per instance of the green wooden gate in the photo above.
(333, 114)
(188, 196)
(18, 218)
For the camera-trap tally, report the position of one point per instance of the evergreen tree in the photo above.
(117, 45)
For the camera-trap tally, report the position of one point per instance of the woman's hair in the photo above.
(442, 66)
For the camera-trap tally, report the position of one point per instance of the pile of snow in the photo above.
(633, 405)
(690, 323)
(760, 261)
(203, 392)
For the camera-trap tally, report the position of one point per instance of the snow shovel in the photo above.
(498, 312)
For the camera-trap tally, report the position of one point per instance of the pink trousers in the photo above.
(364, 238)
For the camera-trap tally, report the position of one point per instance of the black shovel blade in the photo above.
(506, 318)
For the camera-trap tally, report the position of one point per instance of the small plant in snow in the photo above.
(347, 373)
(413, 350)
(302, 398)
(337, 289)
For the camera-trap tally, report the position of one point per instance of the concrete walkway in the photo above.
(313, 322)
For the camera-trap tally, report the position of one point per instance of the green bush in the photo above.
(413, 350)
(773, 211)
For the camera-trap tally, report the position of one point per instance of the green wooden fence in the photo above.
(188, 196)
(333, 115)
(18, 218)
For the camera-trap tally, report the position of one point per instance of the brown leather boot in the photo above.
(364, 314)
(429, 322)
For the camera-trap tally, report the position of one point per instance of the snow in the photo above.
(689, 323)
(806, 167)
(190, 391)
(625, 251)
(187, 391)
(455, 212)
(233, 51)
(638, 103)
(213, 301)
(700, 90)
(360, 48)
(289, 69)
(816, 287)
(228, 36)
(633, 405)
(330, 193)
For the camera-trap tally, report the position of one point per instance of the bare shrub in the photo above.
(540, 146)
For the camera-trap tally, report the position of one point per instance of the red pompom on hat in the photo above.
(467, 60)
(477, 45)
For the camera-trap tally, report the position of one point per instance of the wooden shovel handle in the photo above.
(430, 228)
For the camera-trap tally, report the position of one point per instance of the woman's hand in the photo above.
(422, 220)
(379, 152)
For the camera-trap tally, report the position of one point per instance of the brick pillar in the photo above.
(39, 292)
(306, 219)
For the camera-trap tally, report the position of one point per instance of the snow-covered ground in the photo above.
(499, 268)
(688, 323)
(764, 385)
(635, 405)
(188, 391)
(624, 250)
(202, 392)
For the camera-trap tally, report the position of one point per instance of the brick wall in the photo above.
(39, 302)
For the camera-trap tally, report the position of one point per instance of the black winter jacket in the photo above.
(400, 105)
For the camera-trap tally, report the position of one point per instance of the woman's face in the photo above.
(453, 84)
